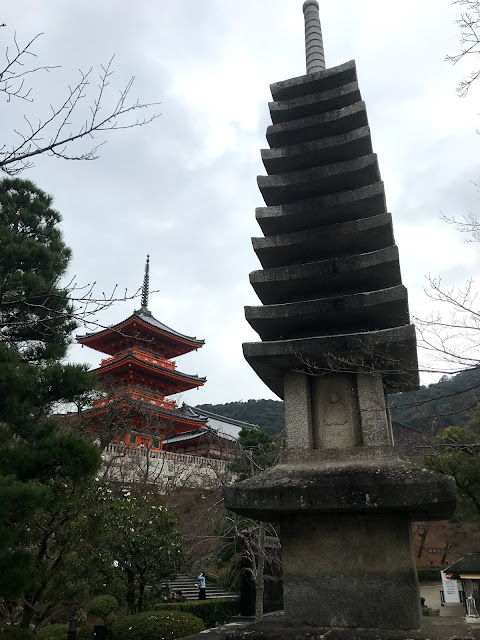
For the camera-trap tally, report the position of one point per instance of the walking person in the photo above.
(202, 587)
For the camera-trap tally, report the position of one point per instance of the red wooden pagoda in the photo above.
(140, 374)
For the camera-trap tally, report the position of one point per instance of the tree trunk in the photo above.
(141, 593)
(423, 537)
(445, 552)
(27, 617)
(130, 591)
(259, 574)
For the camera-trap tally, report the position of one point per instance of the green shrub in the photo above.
(53, 632)
(213, 611)
(425, 575)
(428, 611)
(10, 632)
(110, 622)
(85, 632)
(152, 625)
(102, 606)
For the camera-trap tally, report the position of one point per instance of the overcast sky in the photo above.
(184, 188)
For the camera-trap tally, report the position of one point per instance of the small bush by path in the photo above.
(152, 625)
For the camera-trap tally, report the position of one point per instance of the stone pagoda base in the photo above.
(276, 627)
(345, 526)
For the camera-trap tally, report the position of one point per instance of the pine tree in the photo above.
(38, 463)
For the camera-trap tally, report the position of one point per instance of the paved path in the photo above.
(431, 592)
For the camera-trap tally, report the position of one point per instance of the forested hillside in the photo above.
(432, 408)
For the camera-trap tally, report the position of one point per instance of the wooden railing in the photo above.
(142, 354)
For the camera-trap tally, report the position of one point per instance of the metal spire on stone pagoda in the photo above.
(313, 37)
(146, 285)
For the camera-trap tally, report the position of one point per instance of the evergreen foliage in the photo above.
(152, 625)
(35, 314)
(212, 612)
(141, 536)
(102, 606)
(456, 452)
(433, 408)
(38, 463)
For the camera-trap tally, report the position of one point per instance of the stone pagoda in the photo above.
(140, 374)
(335, 339)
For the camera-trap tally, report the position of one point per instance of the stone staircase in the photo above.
(187, 585)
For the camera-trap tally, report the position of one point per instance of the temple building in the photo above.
(138, 378)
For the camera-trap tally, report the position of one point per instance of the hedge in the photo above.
(53, 632)
(425, 575)
(102, 606)
(13, 632)
(152, 625)
(213, 611)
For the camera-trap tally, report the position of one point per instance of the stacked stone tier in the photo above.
(330, 284)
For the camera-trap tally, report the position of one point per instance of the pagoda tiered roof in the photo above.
(157, 372)
(169, 419)
(141, 329)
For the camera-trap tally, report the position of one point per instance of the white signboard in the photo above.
(450, 588)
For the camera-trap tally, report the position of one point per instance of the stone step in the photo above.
(187, 585)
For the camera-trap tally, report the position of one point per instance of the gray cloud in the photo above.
(184, 188)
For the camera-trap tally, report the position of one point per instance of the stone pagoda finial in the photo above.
(313, 37)
(146, 285)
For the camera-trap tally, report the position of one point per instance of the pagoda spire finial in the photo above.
(146, 285)
(313, 37)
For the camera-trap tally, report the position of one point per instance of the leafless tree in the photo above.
(469, 25)
(56, 133)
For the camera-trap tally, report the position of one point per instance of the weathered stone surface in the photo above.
(348, 274)
(340, 148)
(315, 82)
(335, 415)
(298, 413)
(333, 208)
(330, 241)
(314, 104)
(342, 486)
(335, 338)
(332, 123)
(337, 569)
(296, 185)
(368, 311)
(277, 627)
(376, 427)
(391, 352)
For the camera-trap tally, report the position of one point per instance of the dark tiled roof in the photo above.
(209, 414)
(467, 564)
(147, 317)
(174, 372)
(176, 413)
(197, 433)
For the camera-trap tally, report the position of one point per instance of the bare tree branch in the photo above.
(55, 134)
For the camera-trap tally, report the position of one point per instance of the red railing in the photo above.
(151, 398)
(139, 394)
(142, 354)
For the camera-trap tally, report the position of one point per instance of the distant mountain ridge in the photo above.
(450, 401)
